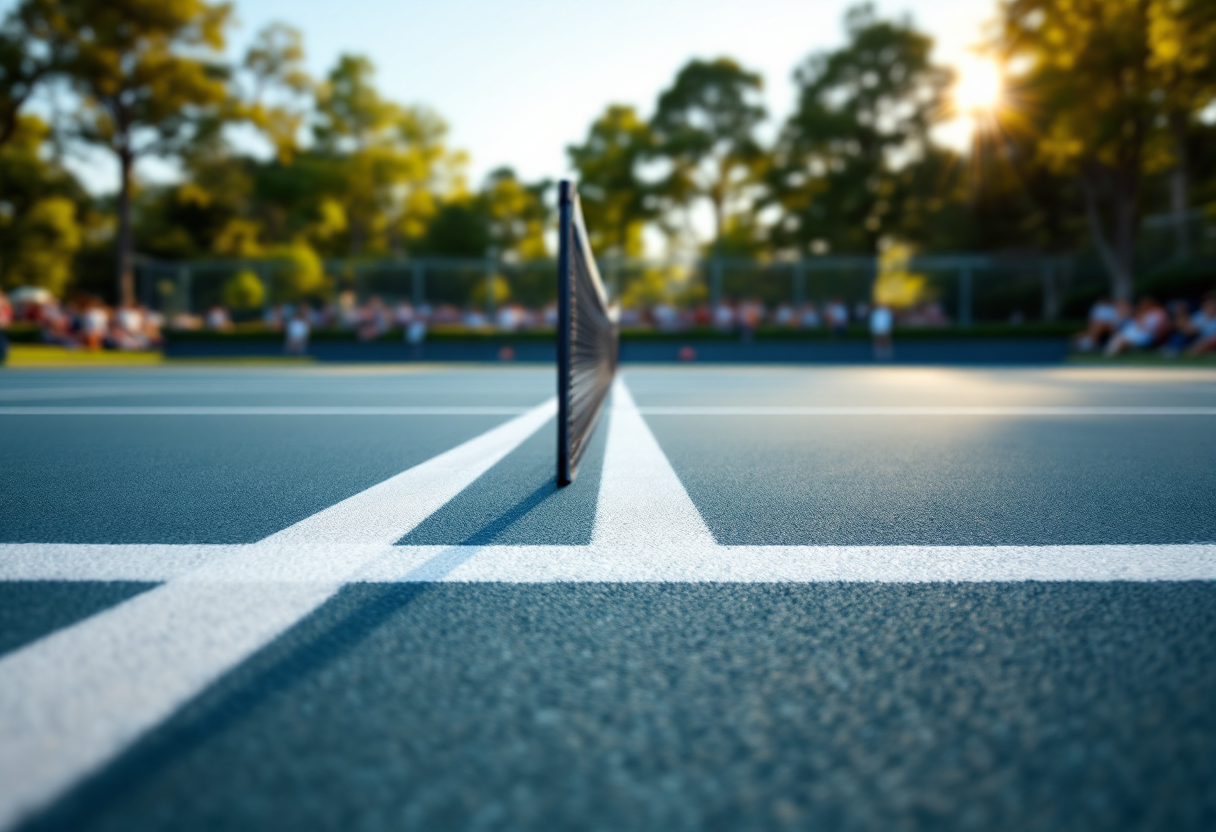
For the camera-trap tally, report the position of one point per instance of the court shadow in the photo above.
(329, 633)
(332, 631)
(491, 531)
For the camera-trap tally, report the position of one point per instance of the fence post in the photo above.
(491, 258)
(418, 279)
(183, 289)
(1051, 291)
(964, 296)
(146, 282)
(799, 283)
(715, 281)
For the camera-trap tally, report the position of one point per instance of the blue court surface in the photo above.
(803, 598)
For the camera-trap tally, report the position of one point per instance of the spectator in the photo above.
(1146, 329)
(297, 332)
(784, 315)
(836, 315)
(94, 325)
(751, 312)
(881, 323)
(1105, 318)
(1203, 323)
(724, 315)
(217, 319)
(6, 310)
(374, 320)
(810, 317)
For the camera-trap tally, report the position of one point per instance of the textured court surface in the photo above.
(775, 598)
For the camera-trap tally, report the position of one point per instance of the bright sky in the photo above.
(518, 81)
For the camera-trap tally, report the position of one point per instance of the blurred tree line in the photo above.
(1105, 118)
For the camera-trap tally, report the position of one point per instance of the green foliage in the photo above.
(616, 200)
(704, 127)
(42, 213)
(1114, 86)
(298, 272)
(149, 81)
(244, 291)
(861, 122)
(517, 215)
(459, 229)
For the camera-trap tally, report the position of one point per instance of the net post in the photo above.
(565, 211)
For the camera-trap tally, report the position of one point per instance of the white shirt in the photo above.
(881, 320)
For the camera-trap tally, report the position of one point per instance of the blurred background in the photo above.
(170, 167)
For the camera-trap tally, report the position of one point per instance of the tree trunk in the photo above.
(122, 249)
(1180, 188)
(719, 222)
(1116, 245)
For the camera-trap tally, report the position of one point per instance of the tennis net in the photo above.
(587, 337)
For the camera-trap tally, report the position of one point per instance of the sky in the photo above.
(520, 80)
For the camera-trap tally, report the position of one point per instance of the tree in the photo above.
(1108, 77)
(390, 160)
(27, 59)
(863, 117)
(517, 214)
(704, 127)
(147, 72)
(617, 202)
(278, 80)
(42, 212)
(1182, 35)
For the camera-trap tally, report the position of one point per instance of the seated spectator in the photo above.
(1105, 318)
(297, 332)
(217, 319)
(509, 317)
(403, 314)
(724, 314)
(349, 314)
(810, 317)
(836, 315)
(127, 329)
(1203, 323)
(374, 320)
(6, 310)
(154, 322)
(784, 315)
(1145, 330)
(94, 324)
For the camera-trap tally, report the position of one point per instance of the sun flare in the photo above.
(978, 88)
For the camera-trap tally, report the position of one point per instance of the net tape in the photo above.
(588, 338)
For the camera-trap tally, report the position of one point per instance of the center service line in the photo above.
(642, 502)
(72, 701)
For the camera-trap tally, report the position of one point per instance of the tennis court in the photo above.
(773, 597)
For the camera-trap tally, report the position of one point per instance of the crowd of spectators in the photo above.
(85, 322)
(375, 318)
(1116, 327)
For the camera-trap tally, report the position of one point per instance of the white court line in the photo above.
(642, 502)
(459, 410)
(155, 562)
(638, 564)
(255, 410)
(73, 700)
(944, 410)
